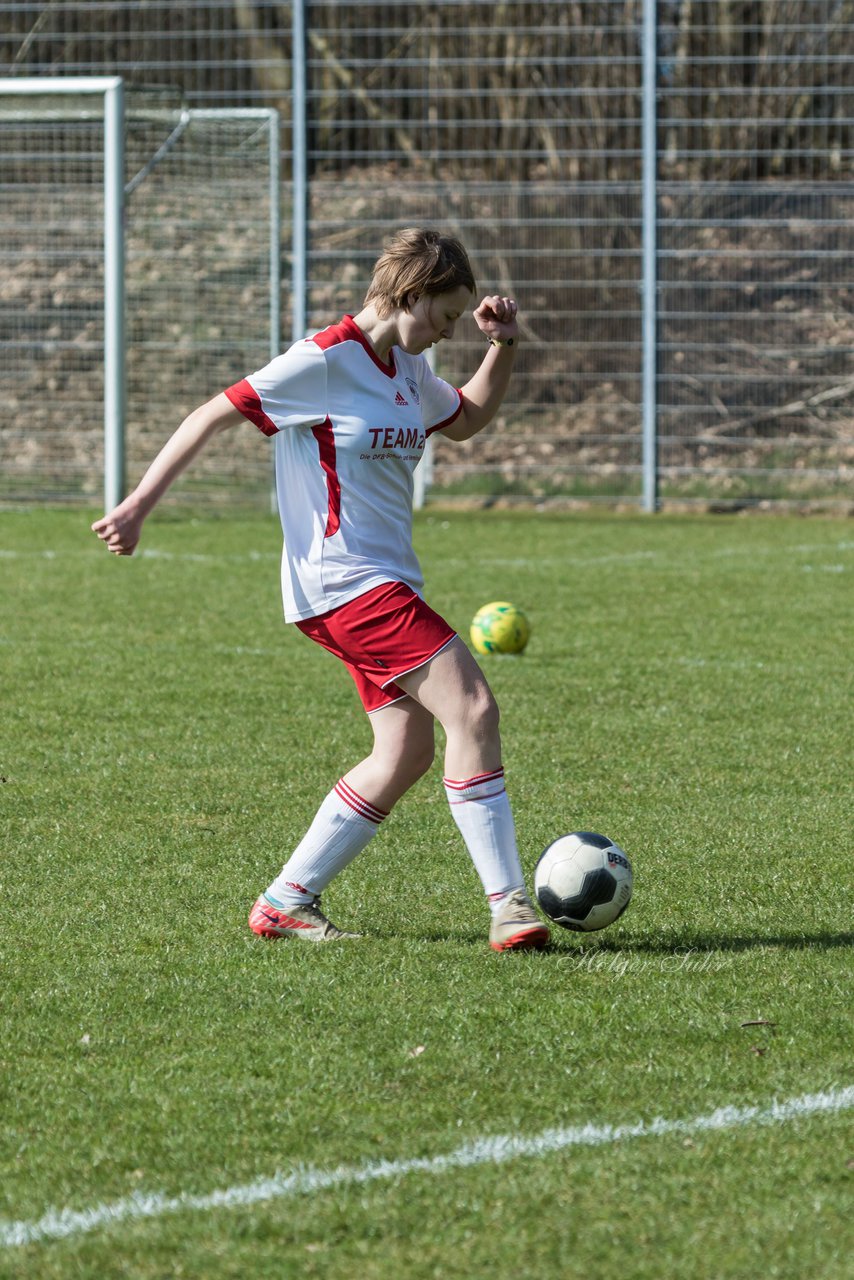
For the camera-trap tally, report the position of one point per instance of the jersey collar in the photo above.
(352, 330)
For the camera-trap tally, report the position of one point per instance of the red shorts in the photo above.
(379, 636)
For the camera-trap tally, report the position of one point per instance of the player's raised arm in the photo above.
(120, 528)
(484, 392)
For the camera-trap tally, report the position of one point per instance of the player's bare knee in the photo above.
(423, 752)
(422, 761)
(411, 755)
(481, 714)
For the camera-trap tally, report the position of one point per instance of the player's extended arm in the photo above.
(483, 393)
(120, 528)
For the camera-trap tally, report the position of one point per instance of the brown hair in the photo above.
(421, 262)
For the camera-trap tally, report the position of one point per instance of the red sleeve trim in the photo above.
(452, 418)
(245, 398)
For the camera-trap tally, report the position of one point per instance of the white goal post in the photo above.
(105, 101)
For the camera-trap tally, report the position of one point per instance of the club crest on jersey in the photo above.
(413, 390)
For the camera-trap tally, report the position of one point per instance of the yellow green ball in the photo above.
(499, 627)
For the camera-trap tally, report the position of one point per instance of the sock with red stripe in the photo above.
(481, 809)
(342, 826)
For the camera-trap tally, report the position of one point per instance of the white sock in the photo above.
(481, 809)
(342, 826)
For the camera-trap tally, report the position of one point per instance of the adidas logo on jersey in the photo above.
(400, 400)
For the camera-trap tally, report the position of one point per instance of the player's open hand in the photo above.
(120, 529)
(496, 317)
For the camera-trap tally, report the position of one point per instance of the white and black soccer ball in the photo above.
(583, 881)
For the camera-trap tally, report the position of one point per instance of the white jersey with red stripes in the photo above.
(349, 432)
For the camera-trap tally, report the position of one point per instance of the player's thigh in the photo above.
(453, 688)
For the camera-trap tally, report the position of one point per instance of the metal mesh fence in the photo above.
(756, 262)
(756, 395)
(197, 286)
(518, 126)
(51, 306)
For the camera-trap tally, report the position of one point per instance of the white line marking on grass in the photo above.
(208, 557)
(575, 562)
(150, 553)
(20, 555)
(58, 1224)
(660, 556)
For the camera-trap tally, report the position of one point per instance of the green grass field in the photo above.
(165, 741)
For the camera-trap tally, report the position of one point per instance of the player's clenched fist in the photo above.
(119, 530)
(496, 317)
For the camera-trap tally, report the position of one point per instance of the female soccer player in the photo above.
(350, 409)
